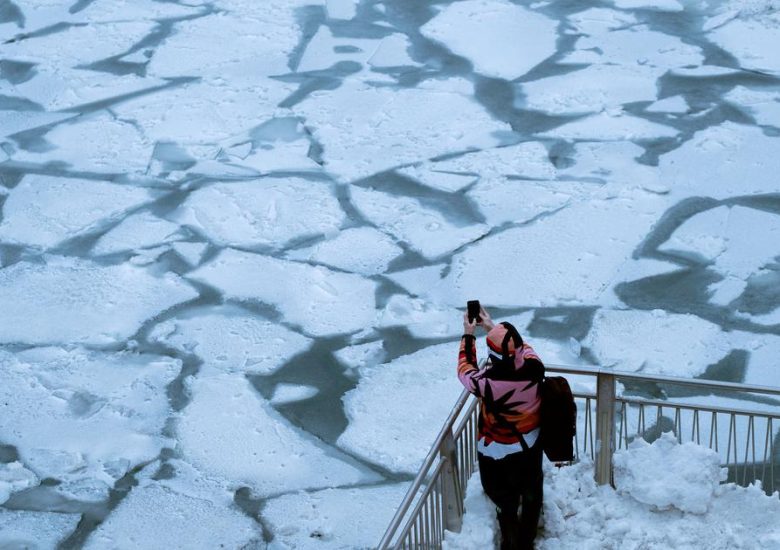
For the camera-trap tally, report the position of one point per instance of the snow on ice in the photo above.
(322, 301)
(268, 212)
(85, 418)
(408, 398)
(44, 210)
(230, 339)
(228, 431)
(386, 128)
(519, 39)
(71, 300)
(346, 518)
(25, 529)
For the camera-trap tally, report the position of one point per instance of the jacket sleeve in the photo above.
(468, 372)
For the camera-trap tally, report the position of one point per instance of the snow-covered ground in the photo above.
(666, 495)
(237, 236)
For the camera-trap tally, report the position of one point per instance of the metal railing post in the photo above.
(451, 493)
(605, 426)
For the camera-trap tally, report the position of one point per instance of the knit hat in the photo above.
(503, 340)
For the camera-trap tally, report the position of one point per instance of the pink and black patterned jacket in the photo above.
(509, 392)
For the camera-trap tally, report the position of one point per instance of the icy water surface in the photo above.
(237, 237)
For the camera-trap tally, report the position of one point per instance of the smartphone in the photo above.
(473, 309)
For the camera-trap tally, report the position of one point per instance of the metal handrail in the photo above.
(455, 448)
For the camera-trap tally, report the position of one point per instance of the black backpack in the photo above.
(558, 419)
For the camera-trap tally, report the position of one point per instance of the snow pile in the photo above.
(668, 496)
(690, 476)
(14, 477)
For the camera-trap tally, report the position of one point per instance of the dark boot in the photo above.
(510, 530)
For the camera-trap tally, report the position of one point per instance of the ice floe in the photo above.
(78, 44)
(386, 128)
(325, 50)
(360, 355)
(290, 393)
(94, 143)
(397, 408)
(764, 106)
(393, 51)
(611, 126)
(529, 159)
(590, 90)
(722, 161)
(322, 301)
(190, 252)
(269, 212)
(345, 518)
(555, 263)
(230, 432)
(424, 229)
(593, 21)
(85, 418)
(221, 112)
(427, 175)
(675, 105)
(756, 52)
(341, 9)
(230, 339)
(733, 241)
(660, 5)
(362, 250)
(12, 122)
(72, 300)
(14, 477)
(417, 281)
(636, 46)
(191, 51)
(656, 342)
(420, 318)
(24, 529)
(141, 230)
(43, 210)
(155, 516)
(501, 39)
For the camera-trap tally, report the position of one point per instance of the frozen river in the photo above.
(237, 237)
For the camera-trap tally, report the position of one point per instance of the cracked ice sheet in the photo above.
(79, 45)
(43, 211)
(33, 530)
(230, 339)
(65, 88)
(186, 522)
(72, 300)
(424, 229)
(254, 48)
(333, 518)
(656, 342)
(529, 159)
(589, 90)
(321, 301)
(611, 126)
(94, 143)
(503, 200)
(500, 39)
(14, 477)
(383, 428)
(422, 319)
(734, 241)
(324, 51)
(361, 250)
(763, 106)
(386, 128)
(561, 266)
(230, 432)
(268, 211)
(141, 230)
(85, 418)
(205, 112)
(636, 46)
(660, 5)
(597, 21)
(753, 41)
(722, 161)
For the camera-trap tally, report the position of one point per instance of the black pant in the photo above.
(505, 481)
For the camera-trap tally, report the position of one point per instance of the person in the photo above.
(509, 449)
